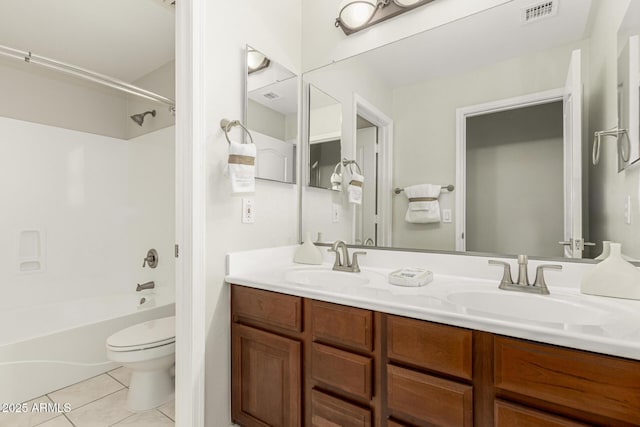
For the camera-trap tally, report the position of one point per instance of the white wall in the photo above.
(40, 95)
(274, 29)
(425, 129)
(163, 82)
(514, 176)
(100, 202)
(608, 188)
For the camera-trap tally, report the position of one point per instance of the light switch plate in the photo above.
(446, 215)
(248, 211)
(627, 210)
(335, 212)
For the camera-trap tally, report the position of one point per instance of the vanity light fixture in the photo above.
(356, 15)
(256, 61)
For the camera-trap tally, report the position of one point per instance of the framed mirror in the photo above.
(325, 141)
(493, 120)
(271, 115)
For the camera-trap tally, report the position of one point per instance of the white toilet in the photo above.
(148, 350)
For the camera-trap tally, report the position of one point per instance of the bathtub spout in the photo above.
(147, 285)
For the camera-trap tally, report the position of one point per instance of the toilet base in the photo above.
(150, 389)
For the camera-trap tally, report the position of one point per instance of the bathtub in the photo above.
(47, 347)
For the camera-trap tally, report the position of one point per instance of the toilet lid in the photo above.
(151, 333)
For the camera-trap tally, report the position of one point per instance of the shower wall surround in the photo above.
(98, 204)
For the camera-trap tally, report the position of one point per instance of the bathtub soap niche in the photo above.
(31, 251)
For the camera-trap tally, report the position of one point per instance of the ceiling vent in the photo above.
(538, 11)
(271, 96)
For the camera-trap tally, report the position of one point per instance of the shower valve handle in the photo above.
(151, 259)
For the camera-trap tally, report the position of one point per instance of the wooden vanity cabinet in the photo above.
(300, 362)
(266, 364)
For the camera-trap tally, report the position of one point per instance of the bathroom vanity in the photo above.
(314, 355)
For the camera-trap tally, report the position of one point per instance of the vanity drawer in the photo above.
(266, 308)
(392, 423)
(440, 348)
(348, 326)
(430, 399)
(509, 415)
(598, 384)
(329, 411)
(345, 371)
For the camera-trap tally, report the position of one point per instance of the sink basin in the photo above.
(323, 278)
(538, 308)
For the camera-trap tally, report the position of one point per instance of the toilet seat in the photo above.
(147, 335)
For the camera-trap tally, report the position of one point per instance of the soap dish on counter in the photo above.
(410, 277)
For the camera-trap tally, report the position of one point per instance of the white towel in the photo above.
(354, 190)
(423, 203)
(242, 167)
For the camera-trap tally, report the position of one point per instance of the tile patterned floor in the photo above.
(97, 402)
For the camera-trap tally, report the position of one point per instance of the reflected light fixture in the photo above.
(356, 15)
(256, 61)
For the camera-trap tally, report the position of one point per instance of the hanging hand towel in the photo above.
(354, 190)
(242, 167)
(423, 203)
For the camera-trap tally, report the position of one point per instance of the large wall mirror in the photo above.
(272, 116)
(483, 131)
(325, 136)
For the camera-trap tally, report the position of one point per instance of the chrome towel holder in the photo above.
(227, 125)
(615, 132)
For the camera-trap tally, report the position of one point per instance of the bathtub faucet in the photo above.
(147, 285)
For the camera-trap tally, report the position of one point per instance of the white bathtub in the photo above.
(47, 347)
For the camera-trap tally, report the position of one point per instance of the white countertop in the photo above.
(610, 326)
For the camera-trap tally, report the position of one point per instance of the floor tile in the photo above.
(60, 421)
(145, 419)
(169, 409)
(102, 413)
(29, 418)
(86, 391)
(122, 375)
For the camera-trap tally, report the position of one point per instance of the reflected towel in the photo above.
(242, 167)
(423, 203)
(354, 190)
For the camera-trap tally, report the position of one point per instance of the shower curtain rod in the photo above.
(86, 74)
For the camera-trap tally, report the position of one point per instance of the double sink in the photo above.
(566, 307)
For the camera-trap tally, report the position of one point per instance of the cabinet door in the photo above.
(328, 411)
(266, 381)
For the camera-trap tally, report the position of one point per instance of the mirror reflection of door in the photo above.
(514, 181)
(366, 229)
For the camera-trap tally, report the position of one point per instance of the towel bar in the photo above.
(227, 124)
(449, 187)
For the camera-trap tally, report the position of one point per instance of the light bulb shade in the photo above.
(354, 14)
(406, 3)
(256, 61)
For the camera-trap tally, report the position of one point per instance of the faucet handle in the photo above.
(540, 275)
(354, 264)
(506, 275)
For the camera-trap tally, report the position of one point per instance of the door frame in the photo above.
(190, 225)
(384, 123)
(529, 100)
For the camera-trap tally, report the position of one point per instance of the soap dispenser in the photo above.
(613, 277)
(308, 253)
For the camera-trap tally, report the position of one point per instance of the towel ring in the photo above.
(226, 126)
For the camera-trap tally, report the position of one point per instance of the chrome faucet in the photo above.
(343, 263)
(539, 286)
(147, 285)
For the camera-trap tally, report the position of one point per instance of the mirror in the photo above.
(629, 87)
(272, 116)
(325, 136)
(501, 111)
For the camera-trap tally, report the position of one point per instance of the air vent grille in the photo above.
(539, 11)
(271, 96)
